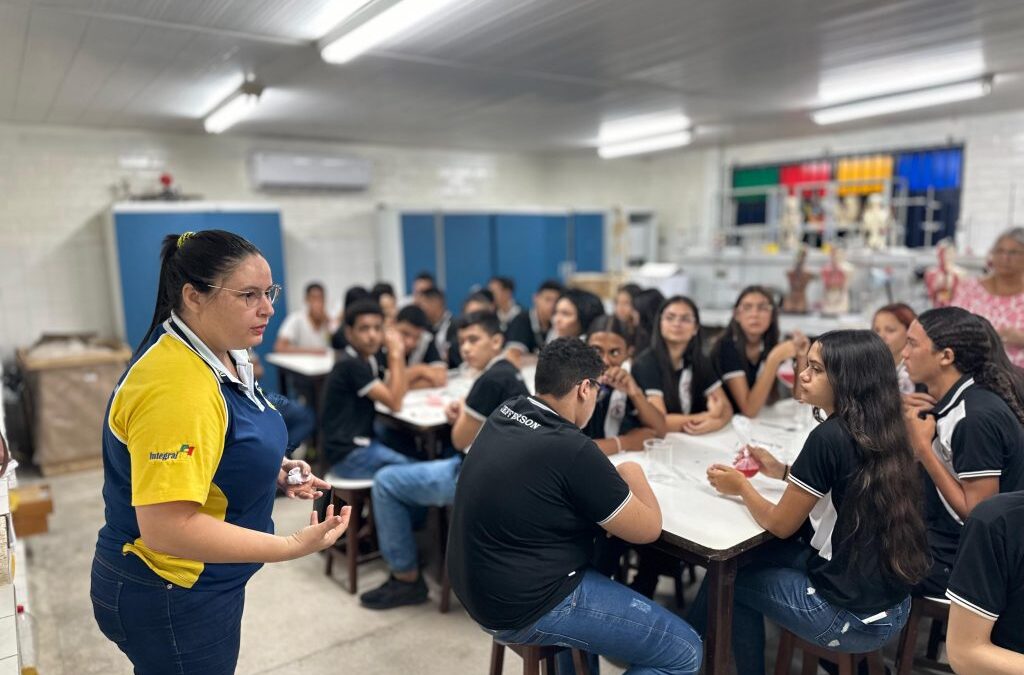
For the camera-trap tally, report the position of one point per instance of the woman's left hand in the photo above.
(700, 423)
(311, 489)
(726, 479)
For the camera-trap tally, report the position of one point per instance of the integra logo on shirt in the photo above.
(518, 417)
(185, 450)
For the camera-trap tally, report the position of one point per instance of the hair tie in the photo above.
(184, 237)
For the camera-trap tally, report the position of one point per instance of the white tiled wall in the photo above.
(56, 185)
(993, 188)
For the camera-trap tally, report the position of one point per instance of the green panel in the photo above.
(754, 177)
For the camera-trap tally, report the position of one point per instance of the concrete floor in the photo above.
(296, 619)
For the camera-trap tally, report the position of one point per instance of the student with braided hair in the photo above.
(971, 441)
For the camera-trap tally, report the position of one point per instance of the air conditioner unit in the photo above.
(272, 170)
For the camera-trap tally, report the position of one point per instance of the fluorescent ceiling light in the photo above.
(901, 72)
(632, 128)
(235, 109)
(644, 145)
(332, 14)
(397, 17)
(924, 98)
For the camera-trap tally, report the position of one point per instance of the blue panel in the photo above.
(419, 246)
(467, 256)
(938, 169)
(139, 236)
(530, 249)
(588, 241)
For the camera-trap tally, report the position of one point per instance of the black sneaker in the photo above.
(395, 593)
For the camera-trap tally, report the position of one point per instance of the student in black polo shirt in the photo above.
(475, 302)
(424, 365)
(970, 443)
(401, 493)
(749, 353)
(688, 390)
(533, 494)
(986, 617)
(352, 388)
(624, 417)
(527, 332)
(848, 587)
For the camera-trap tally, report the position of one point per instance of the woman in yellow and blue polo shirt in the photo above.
(193, 453)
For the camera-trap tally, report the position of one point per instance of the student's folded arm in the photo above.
(970, 648)
(385, 395)
(465, 429)
(638, 520)
(750, 401)
(649, 414)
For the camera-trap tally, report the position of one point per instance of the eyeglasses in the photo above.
(684, 319)
(1008, 252)
(762, 308)
(593, 382)
(252, 296)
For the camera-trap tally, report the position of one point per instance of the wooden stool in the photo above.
(936, 609)
(357, 494)
(813, 654)
(536, 658)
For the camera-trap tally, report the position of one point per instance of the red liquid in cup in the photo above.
(747, 466)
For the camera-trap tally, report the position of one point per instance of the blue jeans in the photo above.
(163, 628)
(605, 617)
(777, 587)
(401, 494)
(365, 462)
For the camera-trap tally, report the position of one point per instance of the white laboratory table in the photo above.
(717, 532)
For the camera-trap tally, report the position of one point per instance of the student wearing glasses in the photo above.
(999, 297)
(749, 353)
(193, 453)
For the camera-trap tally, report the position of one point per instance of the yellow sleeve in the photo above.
(171, 415)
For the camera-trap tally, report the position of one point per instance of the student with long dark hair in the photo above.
(645, 306)
(575, 310)
(624, 416)
(848, 587)
(689, 391)
(971, 442)
(749, 353)
(193, 453)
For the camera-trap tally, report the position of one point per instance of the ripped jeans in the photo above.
(778, 588)
(605, 617)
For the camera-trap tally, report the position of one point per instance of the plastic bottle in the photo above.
(27, 642)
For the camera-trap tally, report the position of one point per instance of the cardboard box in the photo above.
(67, 397)
(30, 506)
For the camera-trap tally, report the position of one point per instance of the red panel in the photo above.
(807, 172)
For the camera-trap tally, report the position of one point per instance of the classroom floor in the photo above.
(296, 619)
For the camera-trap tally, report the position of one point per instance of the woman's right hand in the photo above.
(318, 536)
(766, 461)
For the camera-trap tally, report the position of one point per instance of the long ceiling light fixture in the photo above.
(645, 145)
(642, 134)
(912, 100)
(234, 109)
(376, 22)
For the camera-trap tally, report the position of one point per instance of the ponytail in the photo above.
(197, 258)
(977, 352)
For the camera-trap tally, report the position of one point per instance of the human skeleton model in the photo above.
(849, 214)
(876, 222)
(791, 223)
(796, 300)
(835, 276)
(941, 280)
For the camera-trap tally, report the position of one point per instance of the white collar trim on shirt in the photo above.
(541, 405)
(956, 396)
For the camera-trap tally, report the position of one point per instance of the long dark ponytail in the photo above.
(198, 258)
(692, 355)
(885, 494)
(977, 352)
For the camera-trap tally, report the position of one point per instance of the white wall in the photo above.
(56, 185)
(993, 168)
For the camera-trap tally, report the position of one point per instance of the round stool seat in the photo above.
(341, 483)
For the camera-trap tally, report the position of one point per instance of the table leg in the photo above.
(718, 641)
